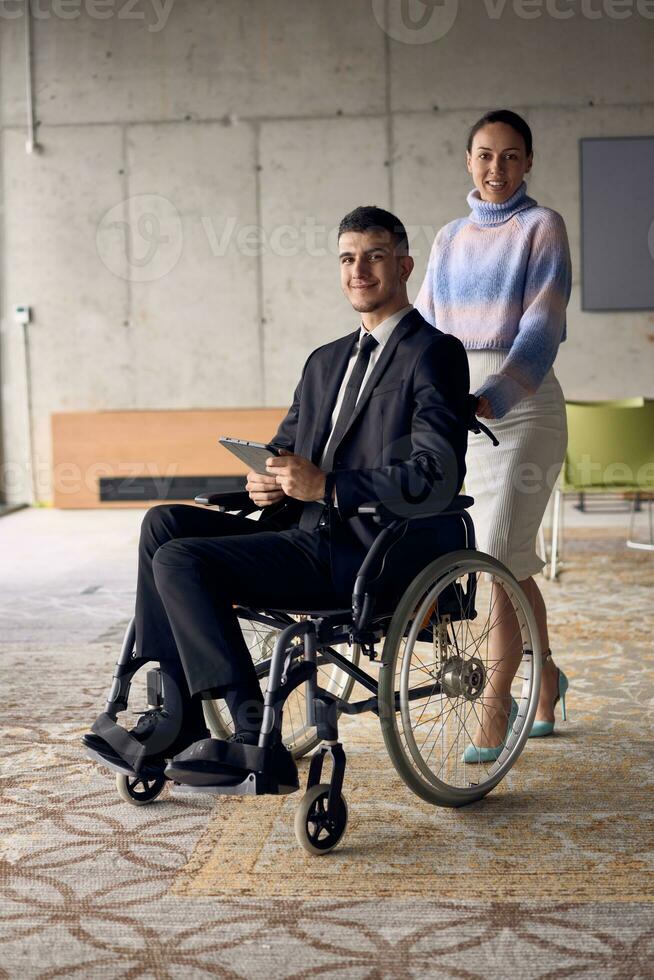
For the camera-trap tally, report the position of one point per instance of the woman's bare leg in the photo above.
(505, 655)
(550, 678)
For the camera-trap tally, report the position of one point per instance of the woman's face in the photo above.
(498, 162)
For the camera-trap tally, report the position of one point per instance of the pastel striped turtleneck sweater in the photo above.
(500, 279)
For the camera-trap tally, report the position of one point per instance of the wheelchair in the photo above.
(436, 655)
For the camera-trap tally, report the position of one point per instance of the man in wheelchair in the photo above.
(379, 414)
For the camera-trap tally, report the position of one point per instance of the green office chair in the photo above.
(610, 450)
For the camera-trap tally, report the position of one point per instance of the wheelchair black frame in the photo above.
(323, 631)
(357, 625)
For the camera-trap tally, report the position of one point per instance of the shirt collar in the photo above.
(383, 331)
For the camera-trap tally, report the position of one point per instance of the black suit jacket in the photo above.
(406, 440)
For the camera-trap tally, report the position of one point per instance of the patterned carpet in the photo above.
(551, 875)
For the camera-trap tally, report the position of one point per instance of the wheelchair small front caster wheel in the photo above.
(139, 790)
(315, 831)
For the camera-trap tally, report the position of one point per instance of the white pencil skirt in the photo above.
(512, 482)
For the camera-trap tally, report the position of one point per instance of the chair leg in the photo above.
(557, 528)
(640, 545)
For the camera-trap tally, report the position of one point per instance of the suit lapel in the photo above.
(404, 327)
(333, 372)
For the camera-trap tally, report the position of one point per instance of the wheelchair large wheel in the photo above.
(299, 737)
(441, 687)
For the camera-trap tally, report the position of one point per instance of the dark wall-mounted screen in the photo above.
(617, 223)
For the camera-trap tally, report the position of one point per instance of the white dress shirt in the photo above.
(381, 333)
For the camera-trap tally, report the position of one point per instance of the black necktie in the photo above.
(313, 512)
(352, 390)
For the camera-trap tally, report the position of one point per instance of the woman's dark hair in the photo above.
(369, 218)
(511, 119)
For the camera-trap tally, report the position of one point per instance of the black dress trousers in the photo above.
(195, 564)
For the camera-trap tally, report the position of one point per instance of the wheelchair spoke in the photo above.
(426, 737)
(455, 708)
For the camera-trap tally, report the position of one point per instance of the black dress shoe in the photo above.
(228, 762)
(215, 761)
(149, 725)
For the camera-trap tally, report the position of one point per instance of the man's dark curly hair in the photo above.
(369, 218)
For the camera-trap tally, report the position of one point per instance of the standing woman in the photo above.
(499, 280)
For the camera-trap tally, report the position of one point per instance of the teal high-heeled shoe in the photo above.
(541, 728)
(477, 754)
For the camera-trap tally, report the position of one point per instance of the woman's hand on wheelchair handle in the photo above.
(484, 410)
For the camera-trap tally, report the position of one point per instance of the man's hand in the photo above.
(263, 490)
(297, 477)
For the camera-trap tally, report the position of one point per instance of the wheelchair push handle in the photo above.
(474, 425)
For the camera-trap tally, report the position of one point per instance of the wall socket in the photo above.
(22, 314)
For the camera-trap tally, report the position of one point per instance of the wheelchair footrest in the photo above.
(252, 785)
(213, 765)
(123, 744)
(116, 764)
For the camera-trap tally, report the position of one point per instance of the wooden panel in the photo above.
(156, 444)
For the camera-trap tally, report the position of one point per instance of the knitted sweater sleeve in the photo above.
(542, 324)
(424, 301)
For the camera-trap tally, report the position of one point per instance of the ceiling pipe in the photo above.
(31, 145)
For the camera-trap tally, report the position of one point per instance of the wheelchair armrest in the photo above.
(238, 500)
(387, 511)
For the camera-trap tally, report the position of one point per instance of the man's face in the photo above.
(372, 275)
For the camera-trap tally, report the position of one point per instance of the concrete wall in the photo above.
(175, 236)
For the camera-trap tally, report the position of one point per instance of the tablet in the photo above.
(254, 454)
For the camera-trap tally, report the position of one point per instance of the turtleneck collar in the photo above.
(486, 213)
